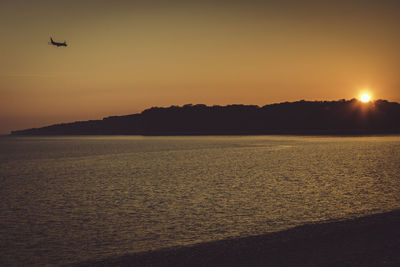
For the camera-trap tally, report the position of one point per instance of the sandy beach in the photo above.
(368, 241)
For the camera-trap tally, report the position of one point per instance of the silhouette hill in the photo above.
(301, 117)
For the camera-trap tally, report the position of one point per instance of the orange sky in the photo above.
(125, 56)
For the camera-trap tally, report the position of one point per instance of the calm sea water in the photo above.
(70, 199)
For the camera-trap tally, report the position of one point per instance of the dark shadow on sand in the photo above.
(368, 241)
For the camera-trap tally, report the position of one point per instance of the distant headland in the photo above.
(302, 117)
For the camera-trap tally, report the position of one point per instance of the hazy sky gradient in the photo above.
(125, 56)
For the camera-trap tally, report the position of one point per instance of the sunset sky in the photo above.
(126, 56)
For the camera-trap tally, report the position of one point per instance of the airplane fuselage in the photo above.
(57, 44)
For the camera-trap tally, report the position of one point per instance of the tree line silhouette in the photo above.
(301, 117)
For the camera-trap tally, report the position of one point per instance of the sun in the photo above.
(365, 98)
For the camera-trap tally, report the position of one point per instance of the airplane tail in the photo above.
(51, 39)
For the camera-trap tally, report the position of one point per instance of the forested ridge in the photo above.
(301, 117)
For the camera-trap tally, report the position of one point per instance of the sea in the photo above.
(71, 199)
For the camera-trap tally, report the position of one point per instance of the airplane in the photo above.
(56, 43)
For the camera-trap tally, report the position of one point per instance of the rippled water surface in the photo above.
(70, 199)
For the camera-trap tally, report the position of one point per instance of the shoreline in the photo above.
(210, 135)
(373, 240)
(301, 117)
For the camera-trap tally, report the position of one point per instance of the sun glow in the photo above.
(365, 98)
